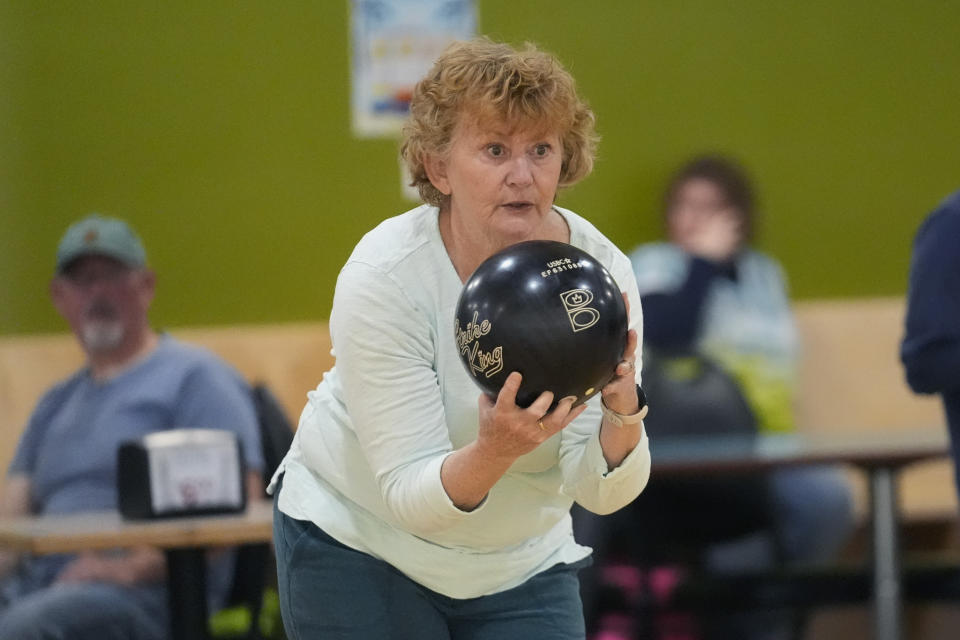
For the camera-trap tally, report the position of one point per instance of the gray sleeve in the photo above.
(24, 459)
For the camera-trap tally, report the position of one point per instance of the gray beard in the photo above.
(102, 335)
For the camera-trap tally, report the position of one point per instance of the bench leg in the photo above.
(887, 596)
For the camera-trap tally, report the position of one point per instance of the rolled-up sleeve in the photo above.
(385, 359)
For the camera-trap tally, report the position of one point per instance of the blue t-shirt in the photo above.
(69, 447)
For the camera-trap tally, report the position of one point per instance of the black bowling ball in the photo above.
(548, 310)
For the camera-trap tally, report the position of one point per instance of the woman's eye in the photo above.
(541, 150)
(495, 150)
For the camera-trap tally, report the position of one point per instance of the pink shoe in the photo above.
(627, 578)
(616, 626)
(663, 582)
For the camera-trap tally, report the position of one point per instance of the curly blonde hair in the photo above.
(493, 80)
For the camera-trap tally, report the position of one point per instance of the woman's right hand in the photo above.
(508, 431)
(714, 236)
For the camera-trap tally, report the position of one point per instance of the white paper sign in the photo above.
(194, 469)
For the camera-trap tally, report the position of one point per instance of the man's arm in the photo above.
(128, 567)
(255, 490)
(15, 498)
(930, 350)
(14, 501)
(139, 565)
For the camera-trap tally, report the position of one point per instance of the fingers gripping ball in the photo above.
(548, 310)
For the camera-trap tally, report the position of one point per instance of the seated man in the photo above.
(135, 381)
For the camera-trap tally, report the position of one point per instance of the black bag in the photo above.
(690, 395)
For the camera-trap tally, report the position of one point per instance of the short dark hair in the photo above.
(727, 174)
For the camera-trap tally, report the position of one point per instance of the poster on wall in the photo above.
(393, 44)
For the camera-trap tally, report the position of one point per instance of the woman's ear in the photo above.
(436, 170)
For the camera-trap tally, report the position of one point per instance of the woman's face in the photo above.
(501, 179)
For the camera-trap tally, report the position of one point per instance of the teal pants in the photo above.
(330, 591)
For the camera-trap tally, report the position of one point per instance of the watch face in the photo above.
(641, 398)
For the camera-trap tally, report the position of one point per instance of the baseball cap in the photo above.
(100, 235)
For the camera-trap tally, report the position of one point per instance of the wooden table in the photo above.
(881, 454)
(184, 541)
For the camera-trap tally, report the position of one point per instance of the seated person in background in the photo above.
(709, 296)
(707, 290)
(930, 350)
(135, 381)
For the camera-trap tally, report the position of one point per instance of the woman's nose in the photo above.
(521, 173)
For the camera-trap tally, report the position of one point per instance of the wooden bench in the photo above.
(850, 379)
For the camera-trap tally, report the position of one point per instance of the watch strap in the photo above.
(620, 419)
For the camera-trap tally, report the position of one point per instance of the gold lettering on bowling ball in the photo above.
(581, 316)
(486, 363)
(471, 332)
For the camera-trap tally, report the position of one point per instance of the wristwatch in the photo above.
(620, 419)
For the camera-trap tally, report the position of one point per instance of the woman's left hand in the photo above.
(620, 394)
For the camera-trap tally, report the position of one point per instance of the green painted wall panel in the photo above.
(221, 130)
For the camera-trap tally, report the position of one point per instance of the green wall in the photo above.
(221, 130)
